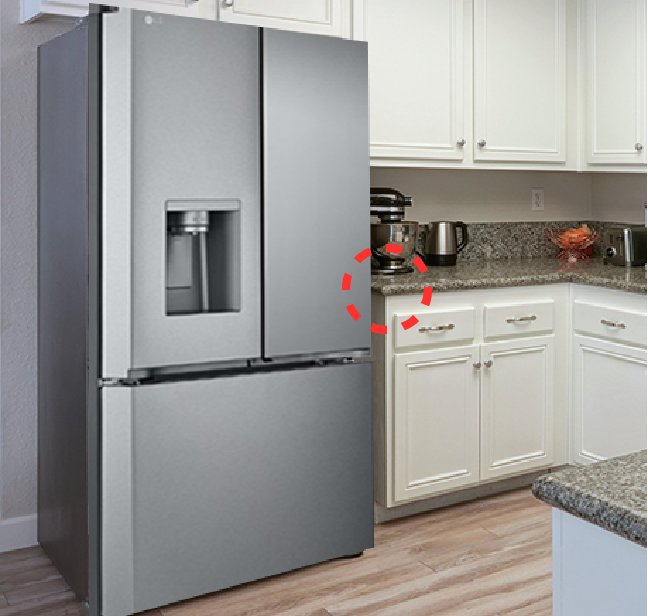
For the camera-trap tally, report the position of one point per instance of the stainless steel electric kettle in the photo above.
(440, 242)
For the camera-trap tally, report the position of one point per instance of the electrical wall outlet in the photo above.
(537, 199)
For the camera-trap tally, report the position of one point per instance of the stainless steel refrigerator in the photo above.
(204, 413)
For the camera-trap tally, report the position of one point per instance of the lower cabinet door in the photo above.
(609, 399)
(436, 421)
(517, 406)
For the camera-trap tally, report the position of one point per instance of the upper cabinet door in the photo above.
(416, 79)
(616, 81)
(332, 17)
(33, 9)
(520, 80)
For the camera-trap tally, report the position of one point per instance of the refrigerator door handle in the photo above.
(117, 382)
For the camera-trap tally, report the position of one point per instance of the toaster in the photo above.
(625, 245)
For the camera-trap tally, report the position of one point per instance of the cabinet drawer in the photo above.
(614, 323)
(517, 319)
(435, 327)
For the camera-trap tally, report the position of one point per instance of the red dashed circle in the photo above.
(417, 263)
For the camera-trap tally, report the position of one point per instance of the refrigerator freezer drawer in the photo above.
(213, 483)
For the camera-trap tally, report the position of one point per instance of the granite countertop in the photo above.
(512, 273)
(610, 494)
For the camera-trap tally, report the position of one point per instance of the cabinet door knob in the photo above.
(638, 147)
(228, 3)
(461, 142)
(481, 143)
(477, 365)
(488, 363)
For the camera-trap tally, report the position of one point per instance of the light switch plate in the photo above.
(537, 199)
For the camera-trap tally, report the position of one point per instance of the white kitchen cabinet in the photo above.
(436, 427)
(447, 75)
(416, 78)
(516, 406)
(443, 424)
(615, 82)
(608, 406)
(34, 9)
(609, 413)
(520, 104)
(332, 17)
(567, 383)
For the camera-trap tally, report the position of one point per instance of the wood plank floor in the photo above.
(490, 557)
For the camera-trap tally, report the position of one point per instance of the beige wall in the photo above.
(618, 197)
(505, 196)
(18, 257)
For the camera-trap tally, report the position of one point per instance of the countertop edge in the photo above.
(518, 281)
(589, 508)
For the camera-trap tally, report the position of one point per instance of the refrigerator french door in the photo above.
(235, 427)
(196, 113)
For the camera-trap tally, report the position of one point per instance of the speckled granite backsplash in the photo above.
(515, 240)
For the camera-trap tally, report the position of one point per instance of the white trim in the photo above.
(17, 533)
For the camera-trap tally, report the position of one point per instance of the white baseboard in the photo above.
(460, 495)
(16, 533)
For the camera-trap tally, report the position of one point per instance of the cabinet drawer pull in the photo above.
(488, 363)
(437, 328)
(531, 317)
(477, 365)
(613, 324)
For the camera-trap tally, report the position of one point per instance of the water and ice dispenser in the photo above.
(203, 258)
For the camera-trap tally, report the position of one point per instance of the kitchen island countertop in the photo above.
(512, 273)
(610, 494)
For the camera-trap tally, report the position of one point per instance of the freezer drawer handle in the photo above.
(613, 324)
(118, 382)
(437, 328)
(531, 317)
